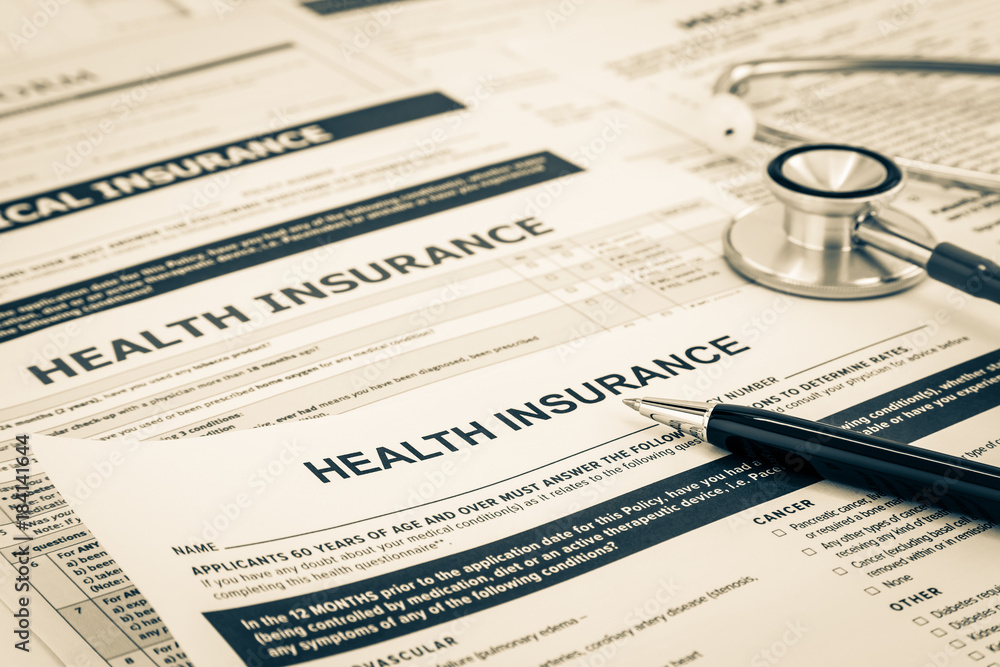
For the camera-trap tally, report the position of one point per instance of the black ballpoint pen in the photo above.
(912, 473)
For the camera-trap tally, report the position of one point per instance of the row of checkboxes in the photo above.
(839, 571)
(919, 620)
(954, 643)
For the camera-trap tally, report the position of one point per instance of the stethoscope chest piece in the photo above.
(807, 242)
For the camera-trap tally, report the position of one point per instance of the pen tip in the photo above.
(631, 402)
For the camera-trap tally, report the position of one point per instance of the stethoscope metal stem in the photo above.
(871, 231)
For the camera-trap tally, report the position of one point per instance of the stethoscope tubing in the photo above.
(733, 82)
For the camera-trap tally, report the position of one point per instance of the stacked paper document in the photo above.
(319, 316)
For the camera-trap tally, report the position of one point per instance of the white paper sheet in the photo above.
(266, 359)
(522, 515)
(624, 250)
(41, 28)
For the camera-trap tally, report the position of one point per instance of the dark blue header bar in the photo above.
(49, 205)
(366, 612)
(328, 7)
(194, 265)
(930, 404)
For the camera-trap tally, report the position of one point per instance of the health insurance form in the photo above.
(522, 516)
(670, 273)
(150, 190)
(435, 37)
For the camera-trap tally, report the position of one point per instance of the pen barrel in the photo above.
(889, 467)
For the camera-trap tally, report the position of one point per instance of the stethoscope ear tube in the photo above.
(732, 84)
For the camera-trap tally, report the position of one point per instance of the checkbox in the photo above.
(809, 552)
(920, 620)
(976, 655)
(779, 533)
(871, 590)
(938, 632)
(957, 643)
(839, 571)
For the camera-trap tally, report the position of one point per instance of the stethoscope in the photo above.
(831, 233)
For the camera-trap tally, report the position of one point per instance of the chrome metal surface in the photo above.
(829, 170)
(689, 417)
(831, 234)
(757, 245)
(880, 232)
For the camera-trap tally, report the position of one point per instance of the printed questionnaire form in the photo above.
(431, 226)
